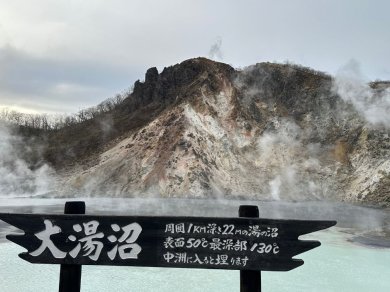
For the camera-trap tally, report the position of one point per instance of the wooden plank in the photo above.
(70, 275)
(250, 281)
(182, 242)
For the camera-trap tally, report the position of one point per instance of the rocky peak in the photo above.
(178, 82)
(151, 75)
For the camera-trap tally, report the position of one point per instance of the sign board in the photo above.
(176, 242)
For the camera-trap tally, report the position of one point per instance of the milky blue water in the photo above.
(339, 264)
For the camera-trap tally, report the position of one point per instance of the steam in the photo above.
(275, 186)
(215, 52)
(106, 124)
(17, 178)
(290, 161)
(374, 106)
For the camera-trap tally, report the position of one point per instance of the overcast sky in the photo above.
(64, 55)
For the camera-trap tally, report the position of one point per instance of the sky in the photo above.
(59, 56)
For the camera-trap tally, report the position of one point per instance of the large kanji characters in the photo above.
(88, 241)
(126, 246)
(47, 243)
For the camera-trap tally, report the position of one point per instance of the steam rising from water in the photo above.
(16, 176)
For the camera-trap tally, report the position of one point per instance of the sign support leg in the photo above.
(250, 281)
(70, 275)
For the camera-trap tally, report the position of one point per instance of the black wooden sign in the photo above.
(182, 242)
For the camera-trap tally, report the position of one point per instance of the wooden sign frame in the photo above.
(248, 244)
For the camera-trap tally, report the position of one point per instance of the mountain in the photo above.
(202, 128)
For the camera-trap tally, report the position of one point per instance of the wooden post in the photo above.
(70, 275)
(250, 281)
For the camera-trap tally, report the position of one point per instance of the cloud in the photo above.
(54, 85)
(374, 106)
(105, 46)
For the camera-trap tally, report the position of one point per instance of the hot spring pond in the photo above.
(354, 255)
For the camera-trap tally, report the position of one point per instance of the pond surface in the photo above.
(354, 255)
